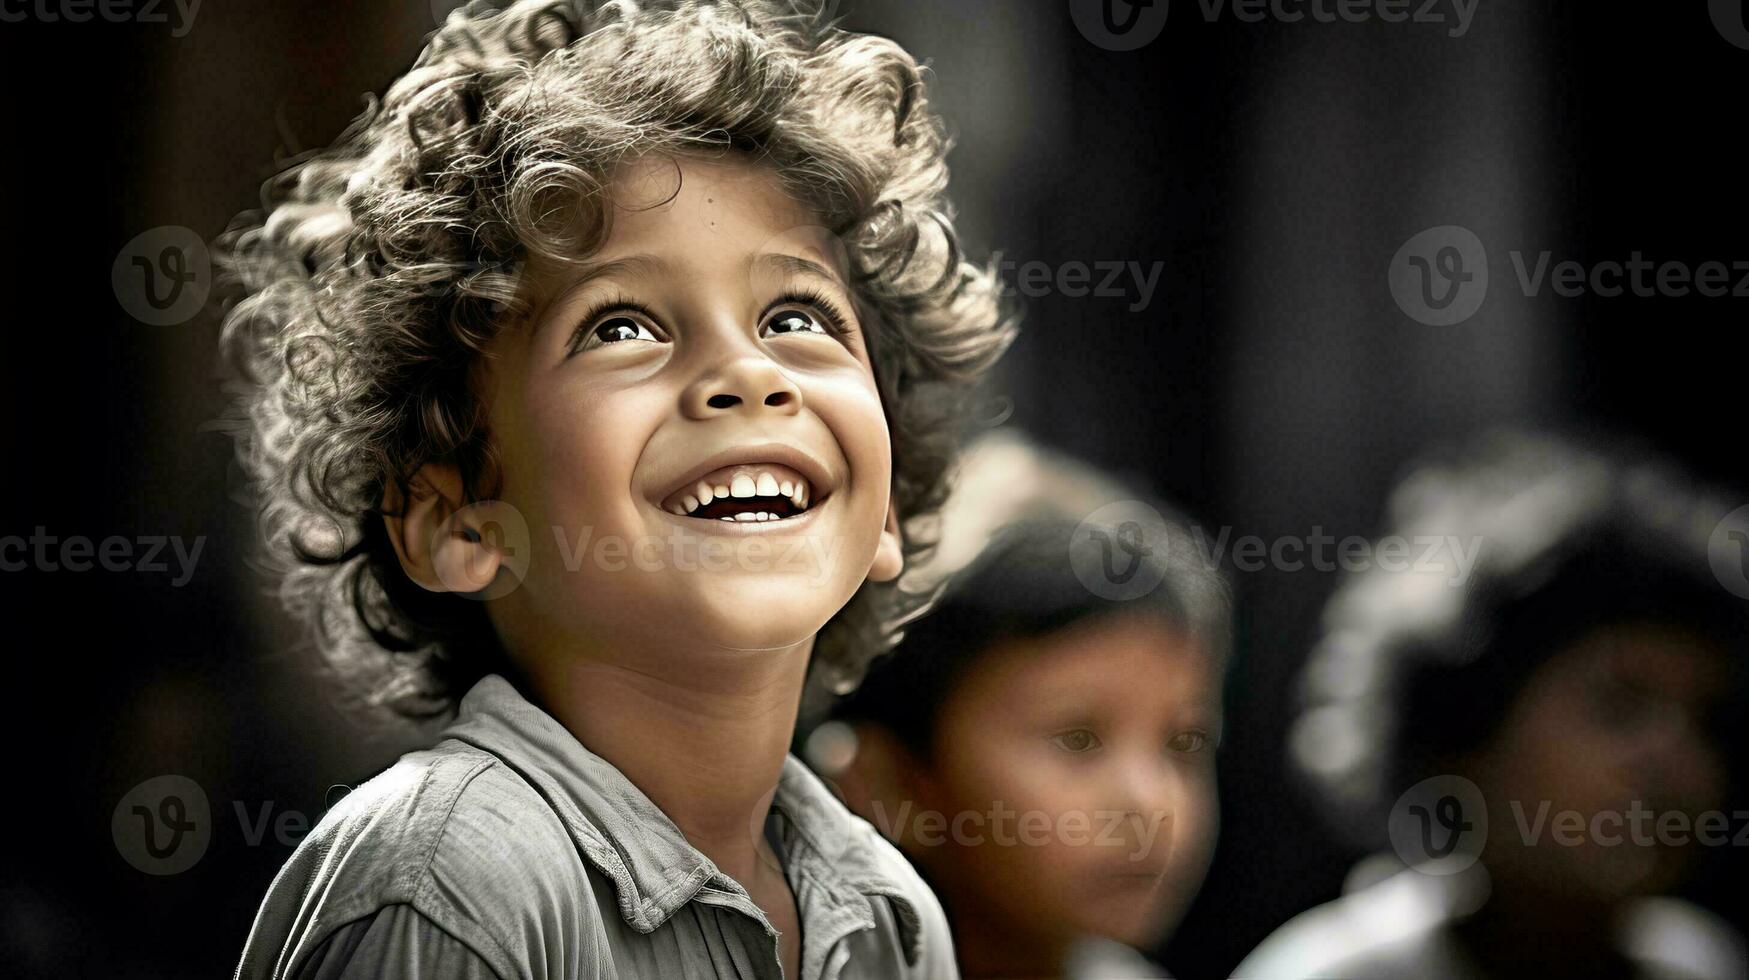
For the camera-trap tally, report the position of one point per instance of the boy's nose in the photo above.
(749, 383)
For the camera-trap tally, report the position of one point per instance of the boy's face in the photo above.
(689, 425)
(1100, 740)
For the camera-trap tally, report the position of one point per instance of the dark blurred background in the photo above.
(1270, 382)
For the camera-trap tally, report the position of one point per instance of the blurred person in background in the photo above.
(1042, 744)
(1528, 737)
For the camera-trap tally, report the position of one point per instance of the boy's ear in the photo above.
(889, 558)
(434, 533)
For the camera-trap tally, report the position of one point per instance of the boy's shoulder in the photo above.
(451, 832)
(510, 846)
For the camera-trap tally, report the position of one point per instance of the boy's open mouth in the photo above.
(744, 492)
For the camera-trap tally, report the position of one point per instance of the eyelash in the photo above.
(593, 316)
(837, 323)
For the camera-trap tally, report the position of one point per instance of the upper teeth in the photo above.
(756, 483)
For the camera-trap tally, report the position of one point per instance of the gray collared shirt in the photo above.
(509, 850)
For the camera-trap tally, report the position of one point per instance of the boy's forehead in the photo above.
(677, 216)
(709, 204)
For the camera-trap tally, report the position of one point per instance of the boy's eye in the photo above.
(793, 321)
(616, 329)
(1188, 742)
(1077, 741)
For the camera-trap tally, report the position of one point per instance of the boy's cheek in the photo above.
(849, 402)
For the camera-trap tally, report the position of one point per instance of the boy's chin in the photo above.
(746, 611)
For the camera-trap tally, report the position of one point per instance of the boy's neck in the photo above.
(704, 737)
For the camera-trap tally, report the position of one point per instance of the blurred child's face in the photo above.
(1625, 716)
(1100, 740)
(690, 426)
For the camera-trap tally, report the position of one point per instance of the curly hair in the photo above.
(378, 268)
(1413, 671)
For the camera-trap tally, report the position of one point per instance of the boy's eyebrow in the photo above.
(785, 262)
(645, 265)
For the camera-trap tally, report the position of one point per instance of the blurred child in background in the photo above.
(1592, 664)
(1043, 743)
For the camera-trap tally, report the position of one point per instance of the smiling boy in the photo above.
(677, 276)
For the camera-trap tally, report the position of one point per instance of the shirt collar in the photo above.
(839, 850)
(653, 867)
